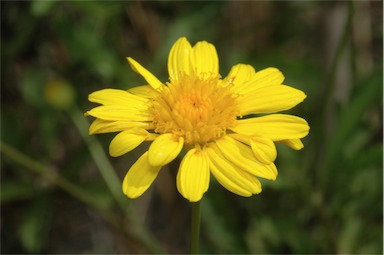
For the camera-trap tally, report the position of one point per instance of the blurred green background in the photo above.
(60, 190)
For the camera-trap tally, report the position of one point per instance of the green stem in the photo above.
(113, 182)
(195, 233)
(97, 152)
(139, 238)
(48, 173)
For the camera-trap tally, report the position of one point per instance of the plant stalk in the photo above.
(195, 232)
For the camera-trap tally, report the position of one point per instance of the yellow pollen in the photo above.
(199, 110)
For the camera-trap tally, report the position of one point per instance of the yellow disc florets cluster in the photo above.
(199, 109)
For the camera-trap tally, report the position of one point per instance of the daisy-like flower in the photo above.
(227, 127)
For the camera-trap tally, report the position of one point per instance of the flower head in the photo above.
(228, 126)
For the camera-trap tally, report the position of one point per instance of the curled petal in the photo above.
(179, 59)
(229, 176)
(239, 74)
(126, 141)
(242, 156)
(139, 177)
(205, 59)
(164, 149)
(295, 144)
(147, 75)
(263, 149)
(193, 175)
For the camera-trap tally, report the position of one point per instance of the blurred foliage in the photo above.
(59, 193)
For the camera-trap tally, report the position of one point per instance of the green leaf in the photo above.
(34, 229)
(372, 156)
(350, 118)
(32, 87)
(349, 235)
(16, 190)
(224, 233)
(40, 8)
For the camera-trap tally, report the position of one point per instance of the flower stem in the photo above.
(98, 155)
(195, 233)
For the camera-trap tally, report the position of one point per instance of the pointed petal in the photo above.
(266, 77)
(116, 97)
(100, 126)
(239, 74)
(269, 99)
(126, 141)
(242, 156)
(139, 177)
(144, 91)
(205, 59)
(120, 112)
(164, 149)
(275, 126)
(193, 175)
(179, 59)
(295, 144)
(229, 176)
(147, 75)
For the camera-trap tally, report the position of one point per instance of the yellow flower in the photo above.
(227, 126)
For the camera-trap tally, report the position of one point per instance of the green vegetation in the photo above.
(61, 191)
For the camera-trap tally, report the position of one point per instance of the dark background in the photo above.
(61, 191)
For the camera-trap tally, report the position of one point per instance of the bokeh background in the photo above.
(60, 190)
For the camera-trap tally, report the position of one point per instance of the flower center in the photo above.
(200, 110)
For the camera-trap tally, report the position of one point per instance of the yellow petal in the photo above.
(120, 112)
(272, 168)
(100, 126)
(295, 144)
(147, 75)
(179, 59)
(205, 60)
(270, 99)
(275, 126)
(116, 97)
(164, 149)
(240, 73)
(263, 149)
(126, 141)
(193, 175)
(144, 91)
(266, 77)
(231, 177)
(139, 177)
(242, 156)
